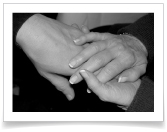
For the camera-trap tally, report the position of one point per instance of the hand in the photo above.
(112, 91)
(83, 28)
(49, 44)
(110, 56)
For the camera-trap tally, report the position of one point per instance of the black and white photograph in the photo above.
(83, 62)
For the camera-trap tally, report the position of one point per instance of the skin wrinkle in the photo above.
(112, 92)
(115, 95)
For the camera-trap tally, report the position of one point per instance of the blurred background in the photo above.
(93, 20)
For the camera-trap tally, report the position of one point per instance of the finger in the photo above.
(88, 52)
(85, 29)
(114, 68)
(90, 37)
(94, 84)
(75, 26)
(60, 83)
(86, 45)
(76, 77)
(98, 61)
(120, 93)
(132, 74)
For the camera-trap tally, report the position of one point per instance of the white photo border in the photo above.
(157, 9)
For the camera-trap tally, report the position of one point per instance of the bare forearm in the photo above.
(47, 45)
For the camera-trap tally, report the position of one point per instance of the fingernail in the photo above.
(88, 91)
(69, 97)
(76, 40)
(122, 79)
(83, 72)
(72, 63)
(73, 79)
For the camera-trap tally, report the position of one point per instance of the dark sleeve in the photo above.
(18, 20)
(144, 99)
(143, 29)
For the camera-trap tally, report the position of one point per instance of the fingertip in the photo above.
(88, 91)
(69, 94)
(71, 65)
(70, 97)
(80, 40)
(85, 29)
(122, 79)
(76, 41)
(84, 73)
(130, 75)
(70, 82)
(90, 78)
(93, 83)
(75, 78)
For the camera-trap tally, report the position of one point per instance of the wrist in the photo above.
(25, 31)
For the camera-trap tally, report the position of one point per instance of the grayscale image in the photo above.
(83, 62)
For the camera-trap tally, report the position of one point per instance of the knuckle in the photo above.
(96, 34)
(80, 58)
(108, 71)
(134, 74)
(99, 61)
(129, 58)
(121, 47)
(106, 34)
(95, 47)
(92, 35)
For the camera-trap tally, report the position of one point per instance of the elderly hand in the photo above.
(112, 91)
(110, 56)
(49, 44)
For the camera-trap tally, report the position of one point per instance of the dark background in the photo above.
(38, 95)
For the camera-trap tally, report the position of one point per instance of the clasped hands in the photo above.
(110, 64)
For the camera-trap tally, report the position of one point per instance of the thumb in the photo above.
(60, 83)
(94, 84)
(112, 91)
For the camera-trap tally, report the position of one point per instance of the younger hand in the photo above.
(49, 44)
